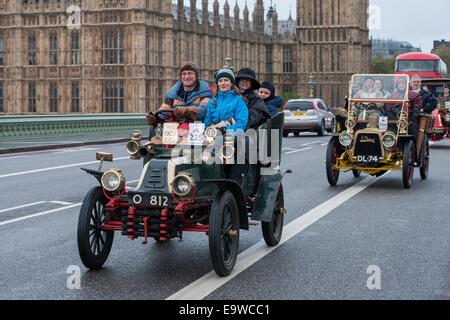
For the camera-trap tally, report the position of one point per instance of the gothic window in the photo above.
(113, 96)
(32, 97)
(32, 49)
(75, 49)
(53, 48)
(269, 60)
(113, 47)
(75, 97)
(53, 94)
(1, 50)
(1, 96)
(287, 60)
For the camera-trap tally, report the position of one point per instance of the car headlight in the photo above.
(350, 123)
(133, 147)
(345, 139)
(402, 124)
(182, 184)
(389, 140)
(112, 180)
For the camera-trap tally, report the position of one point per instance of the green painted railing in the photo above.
(17, 127)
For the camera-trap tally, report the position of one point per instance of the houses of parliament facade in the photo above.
(114, 56)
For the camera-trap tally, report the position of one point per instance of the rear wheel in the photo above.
(330, 162)
(321, 132)
(94, 244)
(408, 164)
(273, 230)
(426, 160)
(224, 233)
(285, 133)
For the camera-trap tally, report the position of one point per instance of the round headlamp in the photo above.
(345, 139)
(182, 184)
(447, 118)
(133, 147)
(350, 123)
(112, 180)
(389, 140)
(402, 124)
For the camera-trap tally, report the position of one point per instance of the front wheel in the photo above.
(273, 230)
(426, 160)
(408, 164)
(330, 163)
(94, 244)
(224, 233)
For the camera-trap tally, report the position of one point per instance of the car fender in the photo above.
(96, 174)
(266, 197)
(235, 188)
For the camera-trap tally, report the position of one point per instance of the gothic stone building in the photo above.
(107, 56)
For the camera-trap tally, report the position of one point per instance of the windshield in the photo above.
(299, 106)
(379, 87)
(416, 66)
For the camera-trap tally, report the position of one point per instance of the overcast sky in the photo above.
(417, 21)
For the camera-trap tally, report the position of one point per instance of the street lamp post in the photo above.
(312, 86)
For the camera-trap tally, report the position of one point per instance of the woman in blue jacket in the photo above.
(227, 104)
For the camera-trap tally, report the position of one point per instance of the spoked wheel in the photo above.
(332, 155)
(426, 160)
(94, 244)
(273, 230)
(408, 164)
(224, 233)
(356, 173)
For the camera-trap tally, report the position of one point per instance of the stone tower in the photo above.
(333, 44)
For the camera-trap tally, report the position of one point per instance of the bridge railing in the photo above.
(41, 126)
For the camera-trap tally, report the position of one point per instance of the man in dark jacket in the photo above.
(267, 93)
(257, 110)
(429, 101)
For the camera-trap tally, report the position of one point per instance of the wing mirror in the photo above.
(103, 156)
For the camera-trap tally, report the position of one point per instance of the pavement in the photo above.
(48, 143)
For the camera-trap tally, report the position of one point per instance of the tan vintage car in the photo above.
(382, 132)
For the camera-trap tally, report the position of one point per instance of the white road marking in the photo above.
(61, 202)
(54, 168)
(299, 150)
(15, 157)
(204, 286)
(40, 214)
(311, 143)
(22, 206)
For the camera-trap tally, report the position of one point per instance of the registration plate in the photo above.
(367, 159)
(170, 133)
(298, 114)
(152, 200)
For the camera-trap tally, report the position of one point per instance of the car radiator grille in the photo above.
(368, 145)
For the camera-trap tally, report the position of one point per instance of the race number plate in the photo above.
(447, 104)
(367, 159)
(195, 136)
(170, 133)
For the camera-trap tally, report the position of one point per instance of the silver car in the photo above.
(303, 115)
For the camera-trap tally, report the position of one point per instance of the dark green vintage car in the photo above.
(182, 190)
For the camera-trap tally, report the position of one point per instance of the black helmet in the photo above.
(247, 73)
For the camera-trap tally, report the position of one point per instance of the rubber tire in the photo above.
(356, 173)
(273, 230)
(408, 164)
(285, 133)
(93, 198)
(332, 175)
(223, 266)
(321, 132)
(426, 165)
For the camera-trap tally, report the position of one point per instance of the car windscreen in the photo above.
(416, 66)
(299, 106)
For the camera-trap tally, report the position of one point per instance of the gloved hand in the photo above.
(151, 119)
(191, 112)
(179, 112)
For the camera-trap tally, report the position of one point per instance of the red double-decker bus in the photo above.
(426, 65)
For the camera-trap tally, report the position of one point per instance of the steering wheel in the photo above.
(368, 106)
(164, 115)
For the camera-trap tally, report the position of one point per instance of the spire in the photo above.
(194, 11)
(205, 15)
(226, 11)
(180, 11)
(237, 21)
(270, 11)
(246, 18)
(216, 14)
